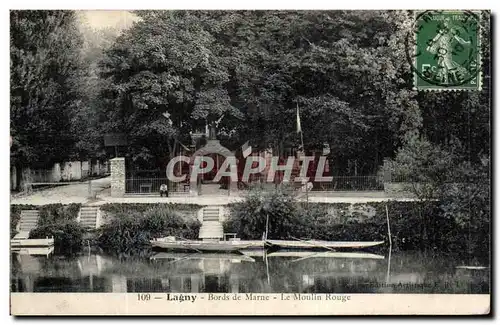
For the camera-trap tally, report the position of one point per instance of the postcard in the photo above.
(250, 162)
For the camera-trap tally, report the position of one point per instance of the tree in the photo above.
(44, 52)
(350, 80)
(166, 79)
(449, 156)
(87, 114)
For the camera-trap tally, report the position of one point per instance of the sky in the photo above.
(108, 18)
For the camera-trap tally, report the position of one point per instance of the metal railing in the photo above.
(151, 185)
(350, 183)
(401, 179)
(339, 183)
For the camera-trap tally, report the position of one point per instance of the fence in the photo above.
(136, 184)
(350, 183)
(401, 179)
(151, 185)
(339, 183)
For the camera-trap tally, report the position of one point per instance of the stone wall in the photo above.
(117, 177)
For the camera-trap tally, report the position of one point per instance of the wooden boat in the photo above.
(476, 267)
(201, 256)
(201, 246)
(327, 254)
(310, 244)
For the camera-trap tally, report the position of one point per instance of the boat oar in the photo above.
(309, 242)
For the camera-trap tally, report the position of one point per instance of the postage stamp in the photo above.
(447, 50)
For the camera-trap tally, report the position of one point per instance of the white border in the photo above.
(186, 4)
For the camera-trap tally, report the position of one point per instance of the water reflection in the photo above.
(302, 272)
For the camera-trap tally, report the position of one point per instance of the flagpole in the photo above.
(299, 129)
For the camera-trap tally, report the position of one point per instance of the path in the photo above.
(78, 193)
(65, 194)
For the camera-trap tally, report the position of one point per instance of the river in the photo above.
(279, 272)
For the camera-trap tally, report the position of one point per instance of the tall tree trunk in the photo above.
(19, 174)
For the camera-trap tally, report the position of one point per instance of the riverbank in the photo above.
(128, 227)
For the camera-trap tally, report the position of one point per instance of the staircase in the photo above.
(88, 216)
(27, 222)
(211, 227)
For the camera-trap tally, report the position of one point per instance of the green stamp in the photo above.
(446, 53)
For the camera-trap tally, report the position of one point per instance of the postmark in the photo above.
(445, 54)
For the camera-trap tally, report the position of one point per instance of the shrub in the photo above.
(58, 213)
(49, 214)
(130, 233)
(116, 208)
(248, 218)
(414, 225)
(68, 237)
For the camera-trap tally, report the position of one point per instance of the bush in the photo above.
(49, 214)
(414, 225)
(68, 237)
(58, 213)
(129, 233)
(116, 208)
(248, 218)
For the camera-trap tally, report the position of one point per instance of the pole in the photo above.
(388, 226)
(304, 150)
(299, 129)
(390, 245)
(267, 225)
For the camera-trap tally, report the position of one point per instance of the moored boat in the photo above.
(320, 244)
(201, 246)
(201, 256)
(327, 254)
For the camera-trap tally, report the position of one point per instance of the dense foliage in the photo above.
(122, 208)
(56, 220)
(173, 71)
(68, 236)
(128, 233)
(50, 214)
(44, 74)
(414, 225)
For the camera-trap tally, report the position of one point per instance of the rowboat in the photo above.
(201, 246)
(309, 244)
(327, 254)
(199, 256)
(466, 267)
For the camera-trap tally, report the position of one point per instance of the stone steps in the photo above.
(211, 214)
(211, 230)
(211, 227)
(28, 220)
(88, 216)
